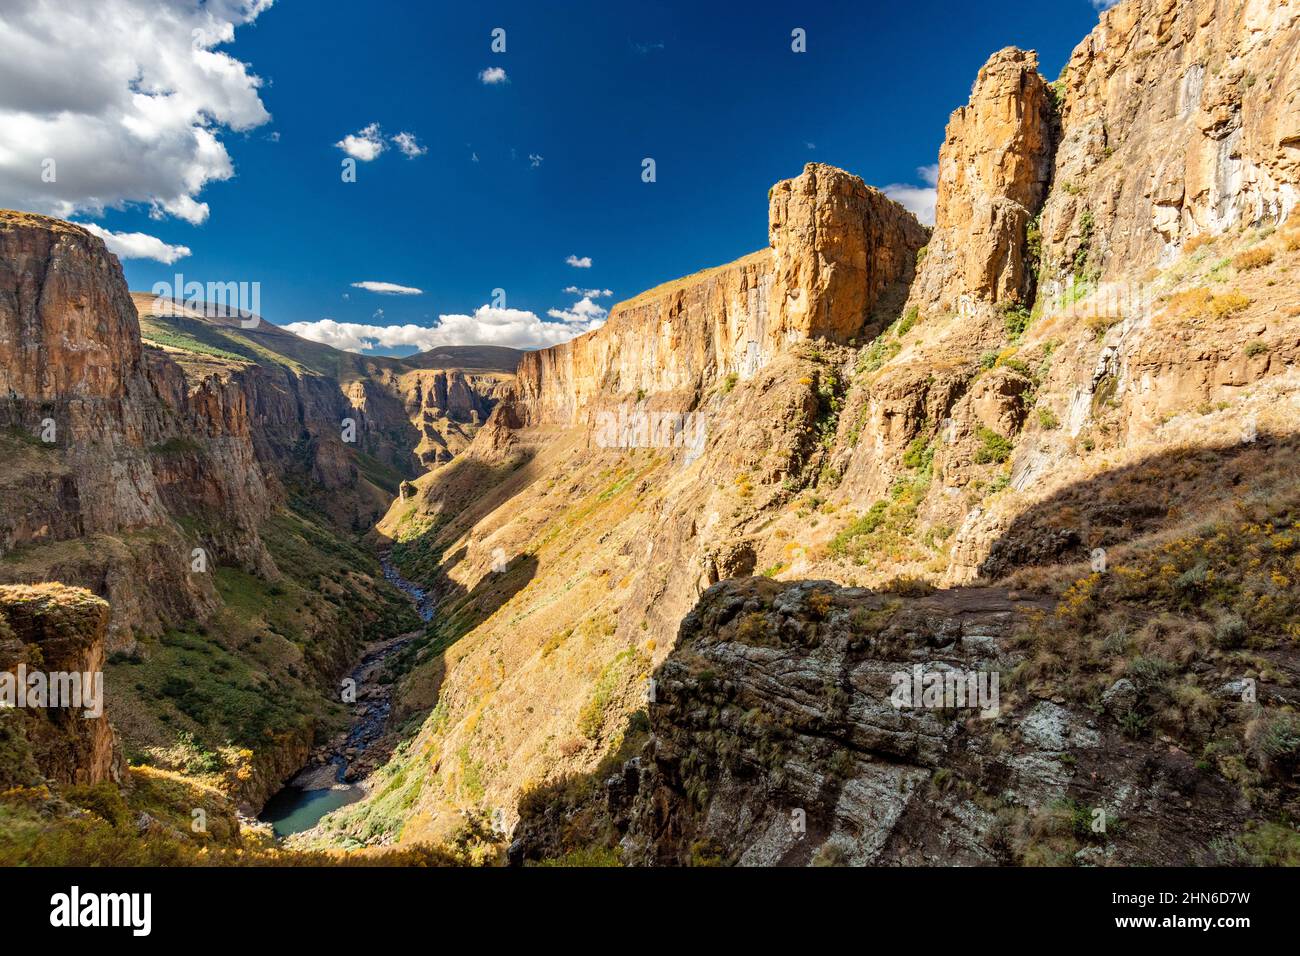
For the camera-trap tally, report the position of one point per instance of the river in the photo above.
(330, 781)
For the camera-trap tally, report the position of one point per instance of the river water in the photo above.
(324, 785)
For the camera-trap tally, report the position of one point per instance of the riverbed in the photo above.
(331, 779)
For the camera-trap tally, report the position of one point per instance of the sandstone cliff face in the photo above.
(55, 629)
(448, 406)
(994, 171)
(835, 246)
(1181, 118)
(66, 333)
(669, 341)
(108, 447)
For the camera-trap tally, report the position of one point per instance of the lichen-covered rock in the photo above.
(777, 737)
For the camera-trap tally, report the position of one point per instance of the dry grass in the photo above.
(1255, 258)
(1200, 303)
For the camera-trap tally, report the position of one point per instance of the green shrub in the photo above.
(1016, 319)
(994, 448)
(908, 320)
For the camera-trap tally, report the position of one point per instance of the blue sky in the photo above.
(517, 176)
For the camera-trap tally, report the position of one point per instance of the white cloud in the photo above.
(584, 311)
(534, 160)
(365, 144)
(410, 148)
(583, 263)
(590, 293)
(127, 97)
(492, 76)
(487, 326)
(137, 245)
(1104, 4)
(387, 288)
(918, 200)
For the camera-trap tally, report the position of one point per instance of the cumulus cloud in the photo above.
(582, 311)
(919, 200)
(487, 326)
(365, 144)
(583, 263)
(137, 245)
(410, 148)
(127, 98)
(492, 76)
(387, 288)
(590, 293)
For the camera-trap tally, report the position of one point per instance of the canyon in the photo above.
(1052, 438)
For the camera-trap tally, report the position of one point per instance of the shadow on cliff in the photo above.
(1165, 494)
(1171, 488)
(422, 664)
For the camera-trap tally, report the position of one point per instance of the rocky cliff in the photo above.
(407, 414)
(51, 630)
(97, 453)
(994, 171)
(1180, 119)
(835, 248)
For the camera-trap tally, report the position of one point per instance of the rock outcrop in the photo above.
(55, 632)
(994, 170)
(809, 724)
(105, 445)
(837, 245)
